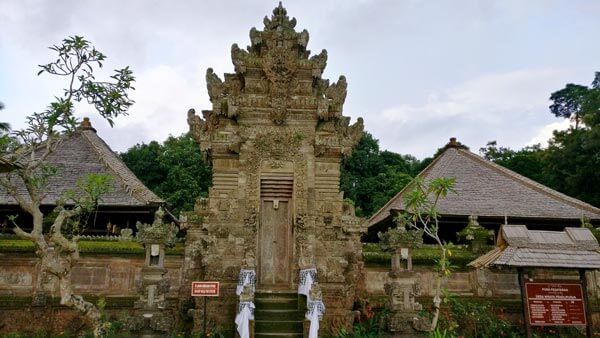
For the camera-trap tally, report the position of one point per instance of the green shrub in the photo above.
(90, 247)
(427, 256)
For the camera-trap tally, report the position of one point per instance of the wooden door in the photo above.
(275, 242)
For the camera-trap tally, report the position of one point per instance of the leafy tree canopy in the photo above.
(370, 177)
(174, 170)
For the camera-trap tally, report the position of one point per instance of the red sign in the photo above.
(205, 289)
(552, 303)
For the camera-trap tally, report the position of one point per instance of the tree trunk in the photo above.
(60, 264)
(87, 309)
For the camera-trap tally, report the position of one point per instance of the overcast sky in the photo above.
(418, 71)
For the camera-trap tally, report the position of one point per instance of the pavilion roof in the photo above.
(519, 247)
(84, 152)
(484, 188)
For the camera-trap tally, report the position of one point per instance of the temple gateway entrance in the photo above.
(275, 137)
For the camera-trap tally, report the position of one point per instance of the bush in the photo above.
(470, 318)
(427, 256)
(90, 247)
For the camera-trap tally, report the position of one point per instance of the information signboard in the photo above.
(555, 303)
(205, 289)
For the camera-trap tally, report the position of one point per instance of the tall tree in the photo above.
(370, 177)
(30, 148)
(174, 170)
(529, 161)
(568, 102)
(575, 102)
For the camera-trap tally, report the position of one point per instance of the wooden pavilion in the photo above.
(81, 153)
(494, 194)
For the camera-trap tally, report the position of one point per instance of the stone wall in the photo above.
(97, 275)
(116, 279)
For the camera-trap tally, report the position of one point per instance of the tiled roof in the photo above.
(520, 247)
(85, 152)
(484, 188)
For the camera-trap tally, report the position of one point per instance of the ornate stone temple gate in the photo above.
(275, 137)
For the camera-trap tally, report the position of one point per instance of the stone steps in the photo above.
(278, 314)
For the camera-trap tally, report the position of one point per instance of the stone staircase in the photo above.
(279, 315)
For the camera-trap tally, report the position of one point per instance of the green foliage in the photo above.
(570, 163)
(370, 177)
(425, 256)
(77, 59)
(369, 328)
(90, 247)
(528, 161)
(174, 170)
(473, 319)
(400, 236)
(569, 102)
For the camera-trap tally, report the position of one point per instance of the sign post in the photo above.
(556, 303)
(205, 289)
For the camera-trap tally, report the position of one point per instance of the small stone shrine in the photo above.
(275, 137)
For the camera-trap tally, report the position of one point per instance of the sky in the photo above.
(418, 72)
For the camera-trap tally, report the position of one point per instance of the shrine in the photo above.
(275, 218)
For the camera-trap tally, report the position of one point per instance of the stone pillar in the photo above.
(152, 317)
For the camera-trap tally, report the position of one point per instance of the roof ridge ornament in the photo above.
(279, 19)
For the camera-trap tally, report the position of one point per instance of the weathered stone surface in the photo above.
(275, 136)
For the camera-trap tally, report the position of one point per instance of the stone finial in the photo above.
(453, 143)
(279, 19)
(86, 124)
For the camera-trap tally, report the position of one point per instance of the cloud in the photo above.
(509, 107)
(163, 94)
(545, 132)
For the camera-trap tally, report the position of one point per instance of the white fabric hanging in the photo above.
(307, 278)
(247, 276)
(315, 311)
(243, 318)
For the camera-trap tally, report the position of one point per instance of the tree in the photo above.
(30, 148)
(174, 170)
(370, 177)
(421, 215)
(4, 126)
(529, 161)
(568, 102)
(572, 162)
(576, 102)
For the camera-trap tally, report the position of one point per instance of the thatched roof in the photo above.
(85, 152)
(484, 188)
(519, 247)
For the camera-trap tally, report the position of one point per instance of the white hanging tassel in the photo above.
(315, 312)
(306, 281)
(314, 326)
(246, 277)
(243, 318)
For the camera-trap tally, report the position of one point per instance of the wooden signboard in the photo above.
(555, 303)
(205, 289)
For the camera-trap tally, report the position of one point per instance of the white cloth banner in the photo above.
(307, 278)
(246, 277)
(243, 318)
(315, 312)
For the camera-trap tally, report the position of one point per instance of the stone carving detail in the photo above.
(276, 117)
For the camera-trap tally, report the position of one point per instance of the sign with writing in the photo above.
(551, 303)
(205, 289)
